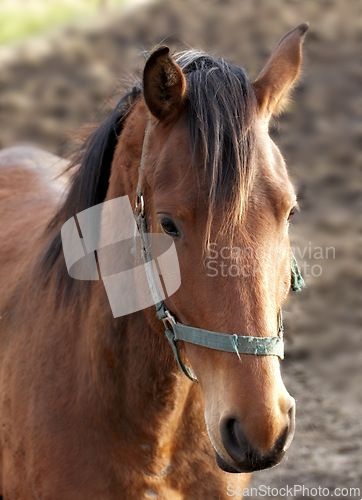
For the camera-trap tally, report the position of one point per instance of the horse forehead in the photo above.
(173, 148)
(174, 178)
(173, 174)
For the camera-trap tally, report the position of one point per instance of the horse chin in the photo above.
(244, 468)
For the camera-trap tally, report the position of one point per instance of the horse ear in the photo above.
(276, 79)
(164, 85)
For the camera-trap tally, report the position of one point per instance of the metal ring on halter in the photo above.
(168, 319)
(140, 200)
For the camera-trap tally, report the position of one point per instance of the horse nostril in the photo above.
(233, 439)
(244, 456)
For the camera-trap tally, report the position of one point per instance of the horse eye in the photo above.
(291, 213)
(169, 227)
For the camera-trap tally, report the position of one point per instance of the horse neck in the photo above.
(140, 393)
(132, 363)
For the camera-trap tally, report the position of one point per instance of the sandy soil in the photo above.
(52, 85)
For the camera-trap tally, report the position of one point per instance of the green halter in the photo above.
(258, 346)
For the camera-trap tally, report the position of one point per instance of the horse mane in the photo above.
(89, 184)
(221, 112)
(221, 109)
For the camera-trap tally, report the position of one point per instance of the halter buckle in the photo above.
(140, 201)
(168, 319)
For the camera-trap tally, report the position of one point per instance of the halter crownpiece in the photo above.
(175, 331)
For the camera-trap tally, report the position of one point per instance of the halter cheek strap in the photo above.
(257, 346)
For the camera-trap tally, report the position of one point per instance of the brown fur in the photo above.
(96, 407)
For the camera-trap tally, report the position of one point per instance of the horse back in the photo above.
(30, 191)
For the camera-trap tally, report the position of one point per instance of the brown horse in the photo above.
(94, 406)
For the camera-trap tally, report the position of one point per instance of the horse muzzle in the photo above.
(242, 456)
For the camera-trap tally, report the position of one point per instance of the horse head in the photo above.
(217, 185)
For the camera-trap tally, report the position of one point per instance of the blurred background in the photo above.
(65, 63)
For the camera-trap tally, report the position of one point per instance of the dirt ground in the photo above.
(54, 84)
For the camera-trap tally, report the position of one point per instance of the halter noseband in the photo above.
(175, 331)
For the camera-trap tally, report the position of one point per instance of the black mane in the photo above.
(90, 181)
